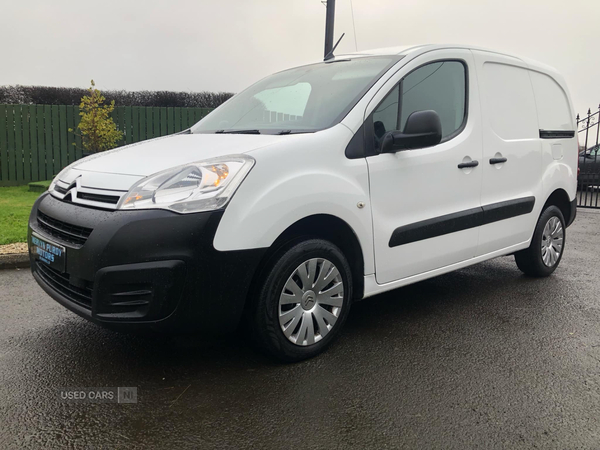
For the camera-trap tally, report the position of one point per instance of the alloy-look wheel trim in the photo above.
(552, 241)
(311, 301)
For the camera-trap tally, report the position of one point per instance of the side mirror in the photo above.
(423, 129)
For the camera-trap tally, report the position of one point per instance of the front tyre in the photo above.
(547, 246)
(302, 301)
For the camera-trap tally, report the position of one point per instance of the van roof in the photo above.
(414, 50)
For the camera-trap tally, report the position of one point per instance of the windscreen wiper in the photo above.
(293, 132)
(237, 132)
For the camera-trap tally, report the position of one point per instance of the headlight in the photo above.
(201, 186)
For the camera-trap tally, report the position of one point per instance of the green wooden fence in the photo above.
(35, 142)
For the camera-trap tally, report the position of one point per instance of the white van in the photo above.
(316, 187)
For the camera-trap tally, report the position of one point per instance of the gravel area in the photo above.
(19, 247)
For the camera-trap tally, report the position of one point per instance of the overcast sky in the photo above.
(225, 45)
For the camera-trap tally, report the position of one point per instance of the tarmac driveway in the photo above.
(483, 357)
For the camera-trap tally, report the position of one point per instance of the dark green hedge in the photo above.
(44, 95)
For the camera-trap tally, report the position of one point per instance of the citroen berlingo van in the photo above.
(314, 188)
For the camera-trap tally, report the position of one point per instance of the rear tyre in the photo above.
(547, 246)
(301, 301)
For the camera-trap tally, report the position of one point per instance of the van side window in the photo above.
(385, 117)
(439, 86)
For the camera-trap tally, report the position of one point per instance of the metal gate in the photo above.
(588, 178)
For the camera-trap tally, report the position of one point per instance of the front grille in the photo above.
(112, 199)
(73, 234)
(60, 282)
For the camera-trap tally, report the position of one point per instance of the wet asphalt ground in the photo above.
(483, 357)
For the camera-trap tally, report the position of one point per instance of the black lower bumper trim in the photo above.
(60, 282)
(150, 268)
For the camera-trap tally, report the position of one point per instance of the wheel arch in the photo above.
(330, 228)
(560, 199)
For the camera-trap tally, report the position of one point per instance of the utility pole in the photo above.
(329, 20)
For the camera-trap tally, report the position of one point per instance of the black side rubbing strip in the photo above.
(438, 226)
(505, 210)
(462, 220)
(556, 134)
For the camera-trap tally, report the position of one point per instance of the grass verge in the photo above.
(15, 206)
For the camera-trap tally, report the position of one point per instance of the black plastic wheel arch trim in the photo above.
(462, 220)
(573, 208)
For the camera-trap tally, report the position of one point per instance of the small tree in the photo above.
(97, 129)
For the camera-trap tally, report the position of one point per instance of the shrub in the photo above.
(98, 130)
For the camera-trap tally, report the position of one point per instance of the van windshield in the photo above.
(300, 100)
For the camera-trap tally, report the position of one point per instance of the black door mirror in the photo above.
(423, 129)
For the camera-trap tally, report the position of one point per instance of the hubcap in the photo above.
(552, 241)
(311, 301)
(308, 300)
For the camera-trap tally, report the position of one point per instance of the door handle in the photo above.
(468, 164)
(498, 160)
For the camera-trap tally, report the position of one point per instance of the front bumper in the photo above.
(140, 269)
